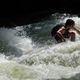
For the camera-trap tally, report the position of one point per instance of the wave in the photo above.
(29, 52)
(11, 43)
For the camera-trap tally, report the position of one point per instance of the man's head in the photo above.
(69, 23)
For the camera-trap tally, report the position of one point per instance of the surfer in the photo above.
(60, 32)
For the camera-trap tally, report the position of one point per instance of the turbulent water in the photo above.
(29, 52)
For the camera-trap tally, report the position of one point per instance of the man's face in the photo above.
(70, 26)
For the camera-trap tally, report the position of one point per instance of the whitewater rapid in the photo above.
(26, 55)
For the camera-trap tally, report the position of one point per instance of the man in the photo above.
(61, 32)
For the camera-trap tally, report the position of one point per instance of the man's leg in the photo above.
(58, 38)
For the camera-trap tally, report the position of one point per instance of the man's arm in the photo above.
(61, 36)
(78, 30)
(60, 33)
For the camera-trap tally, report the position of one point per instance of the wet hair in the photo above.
(69, 22)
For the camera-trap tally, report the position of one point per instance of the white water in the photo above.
(50, 62)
